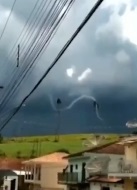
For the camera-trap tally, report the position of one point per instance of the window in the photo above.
(71, 168)
(38, 172)
(76, 166)
(105, 188)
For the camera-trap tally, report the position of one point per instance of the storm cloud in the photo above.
(107, 45)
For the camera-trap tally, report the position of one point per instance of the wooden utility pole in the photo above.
(59, 102)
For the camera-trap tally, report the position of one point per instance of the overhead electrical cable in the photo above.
(32, 29)
(16, 80)
(50, 38)
(64, 13)
(5, 100)
(2, 33)
(30, 48)
(25, 28)
(17, 71)
(25, 37)
(89, 15)
(38, 14)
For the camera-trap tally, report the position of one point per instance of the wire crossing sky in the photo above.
(101, 62)
(4, 28)
(51, 21)
(89, 15)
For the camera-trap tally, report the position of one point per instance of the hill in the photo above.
(28, 147)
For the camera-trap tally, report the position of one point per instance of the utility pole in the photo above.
(59, 120)
(18, 55)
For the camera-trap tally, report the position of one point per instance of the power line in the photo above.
(12, 84)
(54, 29)
(47, 43)
(29, 17)
(84, 22)
(7, 20)
(23, 36)
(35, 53)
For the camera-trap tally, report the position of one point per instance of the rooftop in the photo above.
(128, 140)
(11, 164)
(112, 149)
(56, 157)
(104, 179)
(108, 148)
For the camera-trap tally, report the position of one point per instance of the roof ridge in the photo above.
(96, 148)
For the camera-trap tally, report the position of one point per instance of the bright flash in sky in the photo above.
(129, 22)
(70, 72)
(85, 74)
(4, 15)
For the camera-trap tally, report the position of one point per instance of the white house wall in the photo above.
(7, 181)
(97, 186)
(49, 177)
(114, 159)
(131, 153)
(113, 164)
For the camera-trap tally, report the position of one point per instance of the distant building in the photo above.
(107, 167)
(12, 174)
(89, 169)
(11, 163)
(44, 171)
(127, 167)
(13, 180)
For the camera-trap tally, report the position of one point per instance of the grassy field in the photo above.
(26, 146)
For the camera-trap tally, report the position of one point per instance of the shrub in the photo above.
(18, 154)
(1, 138)
(64, 150)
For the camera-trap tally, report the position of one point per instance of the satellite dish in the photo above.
(132, 123)
(93, 141)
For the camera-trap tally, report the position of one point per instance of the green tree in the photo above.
(18, 154)
(1, 138)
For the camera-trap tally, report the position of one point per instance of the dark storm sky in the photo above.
(107, 46)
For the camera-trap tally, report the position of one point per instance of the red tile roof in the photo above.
(13, 164)
(109, 148)
(112, 149)
(56, 157)
(104, 179)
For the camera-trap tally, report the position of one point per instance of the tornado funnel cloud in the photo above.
(95, 104)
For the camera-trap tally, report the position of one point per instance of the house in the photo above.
(103, 160)
(12, 174)
(111, 166)
(13, 179)
(127, 167)
(88, 169)
(10, 163)
(44, 171)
